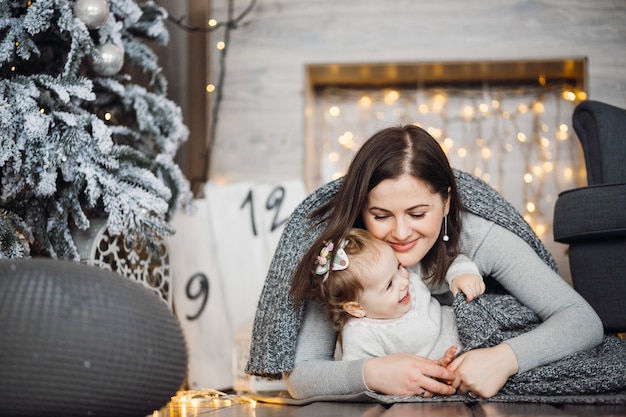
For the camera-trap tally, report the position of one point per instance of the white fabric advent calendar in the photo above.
(220, 256)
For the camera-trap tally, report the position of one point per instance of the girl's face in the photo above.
(385, 288)
(407, 215)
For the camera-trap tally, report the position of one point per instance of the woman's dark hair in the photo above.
(388, 154)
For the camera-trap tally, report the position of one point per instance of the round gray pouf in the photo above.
(77, 340)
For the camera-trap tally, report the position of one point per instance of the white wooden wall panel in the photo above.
(261, 127)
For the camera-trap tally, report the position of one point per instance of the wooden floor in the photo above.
(331, 409)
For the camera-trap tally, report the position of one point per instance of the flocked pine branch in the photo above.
(76, 144)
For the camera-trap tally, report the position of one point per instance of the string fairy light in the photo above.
(517, 139)
(216, 89)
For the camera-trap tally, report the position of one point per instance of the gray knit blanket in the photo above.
(492, 319)
(277, 322)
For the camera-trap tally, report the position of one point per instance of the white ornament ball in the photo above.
(108, 59)
(94, 13)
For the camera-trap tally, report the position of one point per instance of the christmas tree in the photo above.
(86, 129)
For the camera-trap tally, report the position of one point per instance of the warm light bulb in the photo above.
(365, 101)
(220, 46)
(467, 112)
(530, 207)
(528, 178)
(439, 101)
(334, 111)
(569, 95)
(541, 229)
(568, 173)
(345, 140)
(108, 116)
(391, 96)
(434, 132)
(548, 166)
(212, 23)
(210, 88)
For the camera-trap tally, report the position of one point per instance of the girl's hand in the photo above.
(482, 372)
(448, 356)
(406, 374)
(471, 285)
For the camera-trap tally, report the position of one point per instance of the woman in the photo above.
(400, 187)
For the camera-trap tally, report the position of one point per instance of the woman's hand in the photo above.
(482, 372)
(406, 374)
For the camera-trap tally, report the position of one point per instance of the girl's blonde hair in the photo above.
(362, 250)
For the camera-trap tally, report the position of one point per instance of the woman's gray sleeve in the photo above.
(569, 323)
(316, 372)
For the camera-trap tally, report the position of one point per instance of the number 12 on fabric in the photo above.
(220, 255)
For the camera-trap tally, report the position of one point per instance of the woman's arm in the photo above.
(569, 323)
(316, 372)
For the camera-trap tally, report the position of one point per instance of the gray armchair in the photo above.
(592, 219)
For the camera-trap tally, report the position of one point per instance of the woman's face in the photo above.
(407, 215)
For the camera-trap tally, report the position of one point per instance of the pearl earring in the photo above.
(445, 229)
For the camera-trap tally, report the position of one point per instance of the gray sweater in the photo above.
(302, 342)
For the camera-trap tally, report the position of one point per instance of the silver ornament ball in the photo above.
(94, 13)
(108, 59)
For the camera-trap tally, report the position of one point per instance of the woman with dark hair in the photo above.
(401, 188)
